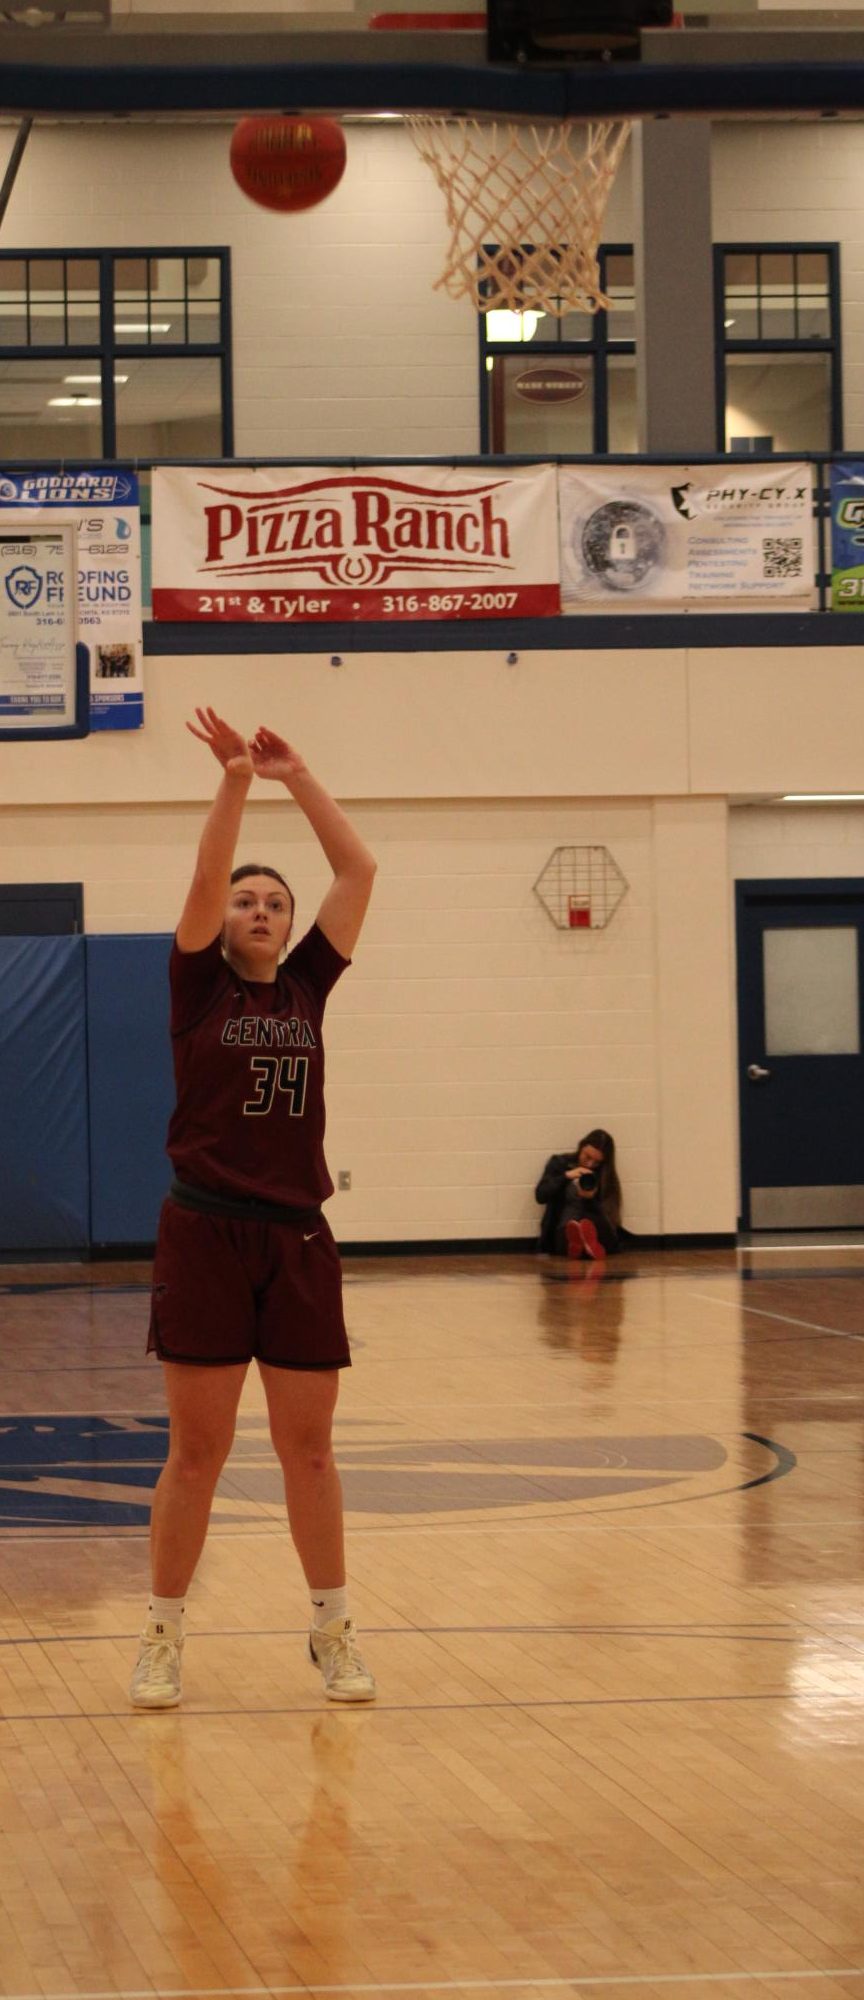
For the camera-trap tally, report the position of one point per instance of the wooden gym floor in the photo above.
(607, 1551)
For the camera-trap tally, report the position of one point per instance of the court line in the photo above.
(551, 1523)
(751, 1632)
(524, 1706)
(839, 1274)
(813, 1325)
(580, 1980)
(793, 1249)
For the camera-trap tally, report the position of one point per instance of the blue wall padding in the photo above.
(131, 1085)
(44, 1179)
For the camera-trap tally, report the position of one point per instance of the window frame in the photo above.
(830, 343)
(108, 352)
(596, 349)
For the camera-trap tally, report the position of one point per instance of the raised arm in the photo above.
(204, 907)
(344, 907)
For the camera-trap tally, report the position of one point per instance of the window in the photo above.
(778, 347)
(569, 385)
(115, 354)
(563, 385)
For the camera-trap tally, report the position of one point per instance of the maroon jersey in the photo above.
(249, 1070)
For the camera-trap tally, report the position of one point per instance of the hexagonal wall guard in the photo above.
(580, 888)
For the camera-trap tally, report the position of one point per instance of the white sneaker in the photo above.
(156, 1679)
(333, 1648)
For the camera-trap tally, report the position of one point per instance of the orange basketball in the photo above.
(287, 163)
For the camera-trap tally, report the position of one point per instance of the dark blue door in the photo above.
(800, 1042)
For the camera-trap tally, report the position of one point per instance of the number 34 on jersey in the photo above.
(270, 1074)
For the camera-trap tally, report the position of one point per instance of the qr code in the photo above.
(782, 555)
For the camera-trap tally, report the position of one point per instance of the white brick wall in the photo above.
(342, 345)
(801, 183)
(470, 1039)
(771, 842)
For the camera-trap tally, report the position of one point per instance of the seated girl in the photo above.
(582, 1196)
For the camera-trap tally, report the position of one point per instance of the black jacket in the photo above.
(552, 1189)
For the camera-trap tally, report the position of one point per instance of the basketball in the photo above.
(287, 163)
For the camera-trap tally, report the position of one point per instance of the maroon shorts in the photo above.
(228, 1291)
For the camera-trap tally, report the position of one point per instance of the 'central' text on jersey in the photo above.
(257, 1031)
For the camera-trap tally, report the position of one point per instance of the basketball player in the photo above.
(246, 1267)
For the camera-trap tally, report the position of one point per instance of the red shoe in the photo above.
(575, 1241)
(591, 1243)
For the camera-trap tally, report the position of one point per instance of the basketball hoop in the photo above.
(525, 206)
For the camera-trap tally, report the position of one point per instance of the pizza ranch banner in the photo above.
(661, 538)
(309, 543)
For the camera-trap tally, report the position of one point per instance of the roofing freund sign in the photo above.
(101, 503)
(657, 538)
(305, 544)
(37, 628)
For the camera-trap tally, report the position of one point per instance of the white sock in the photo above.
(327, 1604)
(167, 1610)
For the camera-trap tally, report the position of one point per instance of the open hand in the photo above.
(230, 749)
(272, 757)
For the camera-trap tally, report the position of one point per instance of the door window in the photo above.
(811, 992)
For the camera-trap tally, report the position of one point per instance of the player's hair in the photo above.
(610, 1186)
(256, 868)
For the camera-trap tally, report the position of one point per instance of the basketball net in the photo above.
(525, 206)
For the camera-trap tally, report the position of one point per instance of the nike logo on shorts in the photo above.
(308, 1239)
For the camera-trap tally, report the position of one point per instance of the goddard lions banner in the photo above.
(308, 543)
(659, 538)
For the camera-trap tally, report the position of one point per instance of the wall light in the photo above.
(822, 798)
(512, 326)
